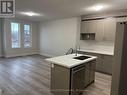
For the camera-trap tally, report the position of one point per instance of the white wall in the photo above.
(10, 52)
(0, 45)
(56, 37)
(0, 38)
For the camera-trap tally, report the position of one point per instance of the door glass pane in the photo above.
(27, 36)
(15, 35)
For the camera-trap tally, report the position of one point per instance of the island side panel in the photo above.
(60, 80)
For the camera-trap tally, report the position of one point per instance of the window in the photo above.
(27, 36)
(15, 35)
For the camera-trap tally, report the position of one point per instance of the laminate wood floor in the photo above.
(30, 75)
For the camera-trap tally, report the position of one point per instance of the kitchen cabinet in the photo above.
(107, 64)
(66, 81)
(103, 62)
(85, 27)
(90, 73)
(109, 29)
(122, 19)
(88, 27)
(99, 66)
(99, 30)
(104, 29)
(87, 73)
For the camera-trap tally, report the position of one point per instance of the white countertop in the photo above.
(104, 52)
(68, 61)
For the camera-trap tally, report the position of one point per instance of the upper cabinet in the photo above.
(86, 26)
(104, 29)
(109, 29)
(122, 19)
(99, 36)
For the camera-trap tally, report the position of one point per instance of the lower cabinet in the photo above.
(72, 81)
(87, 73)
(107, 64)
(103, 62)
(90, 73)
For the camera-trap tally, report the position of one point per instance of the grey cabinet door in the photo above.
(99, 63)
(107, 64)
(87, 74)
(92, 71)
(104, 63)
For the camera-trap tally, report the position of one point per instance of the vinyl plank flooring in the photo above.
(30, 75)
(101, 86)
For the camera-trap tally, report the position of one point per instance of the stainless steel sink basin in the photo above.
(82, 57)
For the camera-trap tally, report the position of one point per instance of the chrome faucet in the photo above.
(76, 49)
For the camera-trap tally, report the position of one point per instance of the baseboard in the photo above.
(46, 55)
(16, 55)
(1, 55)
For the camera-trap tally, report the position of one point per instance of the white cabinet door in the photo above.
(88, 26)
(84, 27)
(105, 29)
(100, 30)
(109, 29)
(92, 26)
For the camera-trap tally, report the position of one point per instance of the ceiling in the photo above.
(57, 9)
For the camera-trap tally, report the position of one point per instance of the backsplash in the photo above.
(99, 46)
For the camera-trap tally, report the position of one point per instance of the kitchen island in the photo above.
(71, 74)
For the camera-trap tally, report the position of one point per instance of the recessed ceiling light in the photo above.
(30, 13)
(98, 7)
